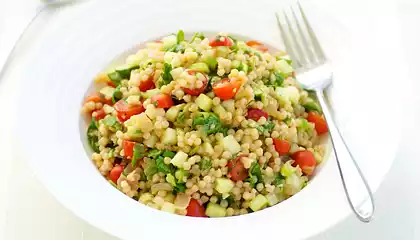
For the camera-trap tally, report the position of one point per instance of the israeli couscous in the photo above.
(204, 127)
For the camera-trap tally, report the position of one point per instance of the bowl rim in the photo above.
(286, 217)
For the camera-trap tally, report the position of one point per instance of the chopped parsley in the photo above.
(211, 123)
(267, 127)
(180, 174)
(162, 167)
(166, 75)
(150, 169)
(278, 79)
(112, 121)
(180, 118)
(179, 187)
(197, 35)
(180, 36)
(138, 153)
(255, 174)
(169, 154)
(278, 180)
(93, 135)
(177, 48)
(205, 164)
(303, 125)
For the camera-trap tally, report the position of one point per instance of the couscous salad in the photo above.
(205, 127)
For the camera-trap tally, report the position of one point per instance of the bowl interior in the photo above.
(84, 120)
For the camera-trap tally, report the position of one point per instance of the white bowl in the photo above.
(69, 56)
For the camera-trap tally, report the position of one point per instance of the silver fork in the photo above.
(314, 72)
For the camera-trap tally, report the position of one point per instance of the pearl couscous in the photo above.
(205, 128)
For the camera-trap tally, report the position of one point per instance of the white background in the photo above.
(28, 211)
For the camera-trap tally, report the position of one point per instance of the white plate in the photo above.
(76, 49)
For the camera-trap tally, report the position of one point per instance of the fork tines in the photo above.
(299, 39)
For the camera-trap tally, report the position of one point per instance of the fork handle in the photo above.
(354, 183)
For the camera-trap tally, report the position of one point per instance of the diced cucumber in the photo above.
(169, 136)
(168, 207)
(113, 184)
(117, 95)
(179, 159)
(220, 110)
(311, 105)
(204, 102)
(208, 148)
(125, 70)
(146, 197)
(150, 93)
(222, 51)
(169, 41)
(289, 93)
(272, 199)
(242, 94)
(230, 144)
(287, 169)
(284, 67)
(293, 184)
(280, 195)
(151, 141)
(225, 195)
(131, 132)
(201, 67)
(115, 78)
(303, 124)
(243, 67)
(180, 174)
(133, 60)
(107, 91)
(194, 150)
(258, 203)
(259, 95)
(211, 62)
(171, 179)
(141, 122)
(172, 113)
(235, 64)
(215, 210)
(224, 185)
